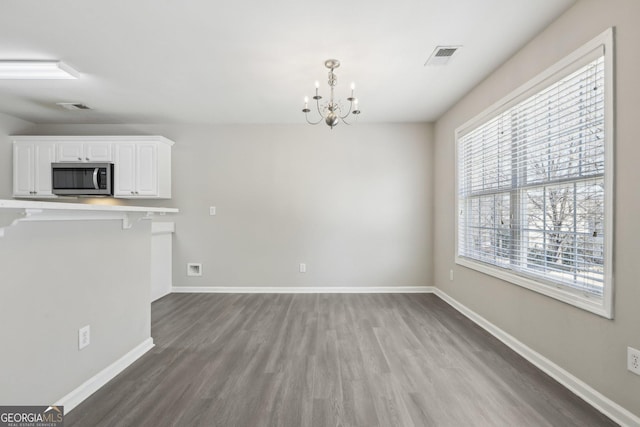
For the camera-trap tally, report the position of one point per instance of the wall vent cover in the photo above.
(441, 55)
(73, 106)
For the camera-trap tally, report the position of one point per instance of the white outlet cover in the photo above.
(212, 210)
(84, 337)
(633, 360)
(303, 268)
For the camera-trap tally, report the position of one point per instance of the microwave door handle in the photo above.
(95, 178)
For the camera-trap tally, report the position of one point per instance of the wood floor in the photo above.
(327, 360)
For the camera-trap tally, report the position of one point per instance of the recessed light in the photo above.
(29, 70)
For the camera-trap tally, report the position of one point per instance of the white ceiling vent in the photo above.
(441, 55)
(73, 106)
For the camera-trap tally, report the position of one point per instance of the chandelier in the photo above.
(332, 112)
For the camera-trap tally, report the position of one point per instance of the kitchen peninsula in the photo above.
(65, 266)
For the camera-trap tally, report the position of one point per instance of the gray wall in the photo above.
(352, 203)
(588, 346)
(53, 283)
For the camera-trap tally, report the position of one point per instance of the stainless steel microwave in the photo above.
(82, 179)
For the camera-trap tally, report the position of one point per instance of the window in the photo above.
(534, 182)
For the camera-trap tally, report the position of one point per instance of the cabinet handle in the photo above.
(133, 192)
(79, 158)
(86, 158)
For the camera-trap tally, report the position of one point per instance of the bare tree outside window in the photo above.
(531, 184)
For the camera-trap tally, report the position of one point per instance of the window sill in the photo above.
(592, 304)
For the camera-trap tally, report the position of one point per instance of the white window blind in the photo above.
(531, 183)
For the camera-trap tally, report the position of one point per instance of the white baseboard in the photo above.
(162, 295)
(94, 383)
(596, 399)
(303, 289)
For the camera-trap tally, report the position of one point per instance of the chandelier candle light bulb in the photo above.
(331, 112)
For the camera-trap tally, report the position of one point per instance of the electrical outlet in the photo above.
(84, 337)
(303, 268)
(212, 210)
(633, 360)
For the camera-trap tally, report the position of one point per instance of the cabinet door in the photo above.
(23, 169)
(44, 156)
(70, 152)
(125, 170)
(97, 152)
(147, 170)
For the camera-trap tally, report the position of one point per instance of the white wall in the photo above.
(56, 278)
(588, 346)
(352, 203)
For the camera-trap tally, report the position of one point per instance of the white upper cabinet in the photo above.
(147, 169)
(84, 151)
(142, 164)
(125, 170)
(98, 152)
(143, 170)
(32, 169)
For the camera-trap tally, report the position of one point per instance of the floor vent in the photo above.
(441, 55)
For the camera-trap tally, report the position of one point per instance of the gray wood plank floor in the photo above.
(327, 360)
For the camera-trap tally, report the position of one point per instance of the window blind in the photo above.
(531, 192)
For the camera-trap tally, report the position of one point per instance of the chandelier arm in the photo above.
(318, 107)
(306, 116)
(346, 122)
(348, 112)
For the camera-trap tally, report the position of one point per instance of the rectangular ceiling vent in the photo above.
(73, 106)
(441, 55)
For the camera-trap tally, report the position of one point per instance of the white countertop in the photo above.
(15, 211)
(29, 204)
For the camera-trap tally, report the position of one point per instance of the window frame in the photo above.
(602, 306)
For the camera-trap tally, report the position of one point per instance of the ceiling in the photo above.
(253, 61)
